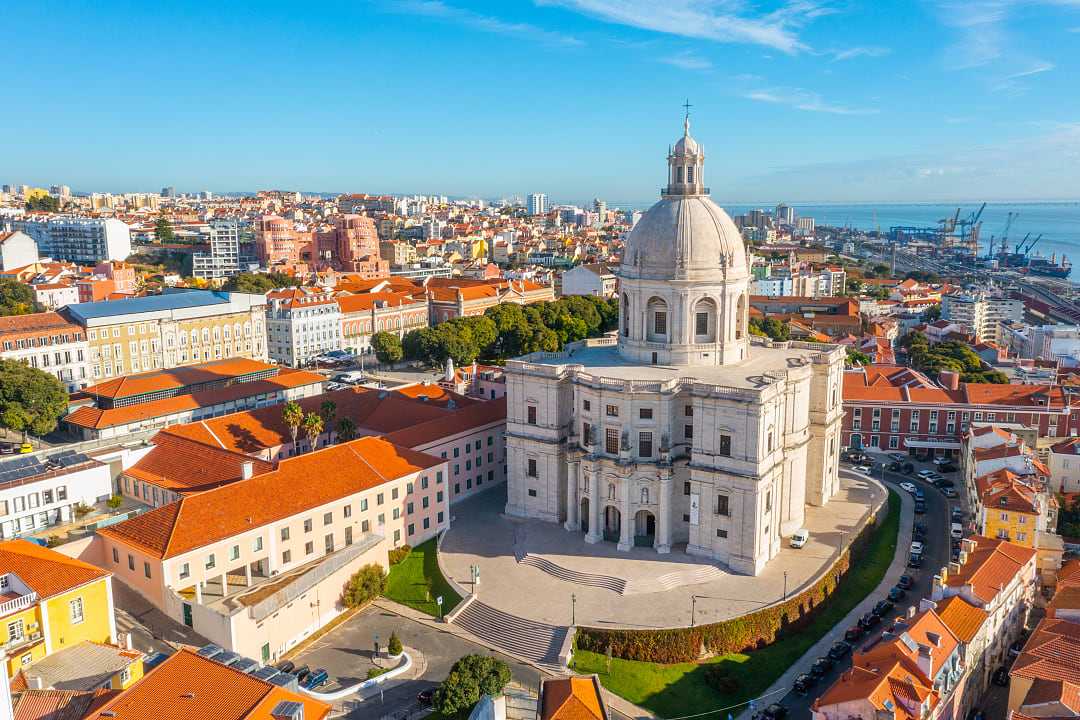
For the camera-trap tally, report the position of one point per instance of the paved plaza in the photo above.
(562, 579)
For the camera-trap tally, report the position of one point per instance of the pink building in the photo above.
(278, 242)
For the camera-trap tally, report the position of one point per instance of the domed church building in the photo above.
(683, 433)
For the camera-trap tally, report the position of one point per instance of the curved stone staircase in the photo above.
(534, 641)
(660, 583)
(606, 582)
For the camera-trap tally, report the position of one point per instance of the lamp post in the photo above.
(573, 609)
(438, 601)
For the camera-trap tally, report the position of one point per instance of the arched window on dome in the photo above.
(625, 315)
(740, 317)
(658, 320)
(705, 321)
(689, 174)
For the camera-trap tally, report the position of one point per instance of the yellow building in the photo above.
(1009, 509)
(50, 602)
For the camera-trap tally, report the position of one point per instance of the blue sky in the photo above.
(797, 100)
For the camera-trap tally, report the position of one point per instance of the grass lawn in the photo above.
(672, 690)
(416, 582)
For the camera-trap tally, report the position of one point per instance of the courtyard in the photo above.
(542, 572)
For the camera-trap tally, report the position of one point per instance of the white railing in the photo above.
(20, 603)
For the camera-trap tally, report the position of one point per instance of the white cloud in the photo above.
(1039, 67)
(487, 23)
(716, 20)
(806, 100)
(856, 52)
(687, 61)
(981, 29)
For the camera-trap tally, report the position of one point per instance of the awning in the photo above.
(933, 444)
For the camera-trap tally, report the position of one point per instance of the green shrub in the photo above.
(115, 501)
(720, 679)
(368, 583)
(394, 645)
(471, 677)
(375, 672)
(82, 510)
(398, 554)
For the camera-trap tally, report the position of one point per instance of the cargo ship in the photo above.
(1038, 265)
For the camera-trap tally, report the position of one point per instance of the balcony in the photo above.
(21, 643)
(19, 603)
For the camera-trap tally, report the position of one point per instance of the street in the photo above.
(345, 652)
(935, 555)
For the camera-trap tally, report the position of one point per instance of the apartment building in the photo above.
(49, 342)
(898, 408)
(1063, 461)
(301, 324)
(981, 314)
(365, 314)
(50, 603)
(450, 298)
(278, 242)
(593, 279)
(223, 260)
(159, 398)
(17, 249)
(79, 239)
(207, 559)
(165, 331)
(40, 491)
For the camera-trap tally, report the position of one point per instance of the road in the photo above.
(345, 652)
(936, 554)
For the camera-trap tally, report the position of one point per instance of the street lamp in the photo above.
(573, 609)
(693, 607)
(785, 584)
(438, 601)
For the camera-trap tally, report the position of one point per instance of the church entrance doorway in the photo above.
(644, 529)
(612, 523)
(584, 515)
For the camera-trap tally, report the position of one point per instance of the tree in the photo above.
(257, 283)
(313, 426)
(471, 678)
(387, 347)
(31, 400)
(932, 313)
(328, 411)
(346, 429)
(17, 299)
(163, 231)
(368, 583)
(293, 415)
(43, 202)
(857, 357)
(771, 328)
(393, 645)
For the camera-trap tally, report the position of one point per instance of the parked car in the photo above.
(897, 456)
(956, 530)
(908, 487)
(7, 448)
(799, 538)
(896, 593)
(908, 468)
(862, 468)
(285, 666)
(915, 561)
(803, 683)
(925, 473)
(920, 507)
(425, 697)
(821, 666)
(26, 448)
(944, 483)
(1015, 649)
(853, 633)
(893, 466)
(317, 678)
(883, 608)
(917, 548)
(949, 493)
(1001, 676)
(301, 672)
(918, 530)
(947, 467)
(776, 711)
(868, 621)
(941, 461)
(957, 515)
(906, 582)
(920, 494)
(839, 650)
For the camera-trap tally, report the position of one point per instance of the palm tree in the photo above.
(328, 410)
(293, 415)
(313, 427)
(346, 429)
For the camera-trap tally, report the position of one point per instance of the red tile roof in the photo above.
(990, 567)
(202, 518)
(46, 571)
(183, 465)
(1051, 653)
(176, 378)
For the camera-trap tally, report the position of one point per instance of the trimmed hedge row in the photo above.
(748, 632)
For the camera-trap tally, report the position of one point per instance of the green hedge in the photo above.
(748, 632)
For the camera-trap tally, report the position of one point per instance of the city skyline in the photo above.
(566, 97)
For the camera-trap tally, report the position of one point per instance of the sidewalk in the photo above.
(614, 702)
(777, 691)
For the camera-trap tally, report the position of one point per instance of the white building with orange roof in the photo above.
(49, 342)
(301, 323)
(238, 563)
(451, 298)
(911, 672)
(364, 314)
(17, 249)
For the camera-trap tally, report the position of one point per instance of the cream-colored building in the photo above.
(681, 432)
(165, 331)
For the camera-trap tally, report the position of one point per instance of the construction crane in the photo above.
(1019, 245)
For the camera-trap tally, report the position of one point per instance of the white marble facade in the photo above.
(682, 432)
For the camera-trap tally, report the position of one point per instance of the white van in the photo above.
(957, 531)
(799, 538)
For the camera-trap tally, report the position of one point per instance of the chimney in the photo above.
(911, 612)
(963, 557)
(949, 379)
(247, 469)
(967, 545)
(954, 568)
(34, 682)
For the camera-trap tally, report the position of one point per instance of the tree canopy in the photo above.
(258, 283)
(387, 347)
(950, 355)
(44, 202)
(31, 400)
(17, 299)
(163, 230)
(509, 330)
(470, 678)
(770, 327)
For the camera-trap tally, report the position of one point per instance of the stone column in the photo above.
(663, 518)
(596, 533)
(198, 592)
(224, 584)
(247, 574)
(573, 508)
(626, 520)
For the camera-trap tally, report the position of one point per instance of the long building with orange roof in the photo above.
(450, 298)
(366, 313)
(898, 408)
(49, 342)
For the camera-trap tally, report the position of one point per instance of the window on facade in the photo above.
(701, 323)
(146, 569)
(585, 405)
(234, 552)
(327, 518)
(530, 415)
(611, 441)
(645, 444)
(688, 432)
(115, 558)
(307, 525)
(611, 411)
(724, 447)
(185, 571)
(76, 607)
(284, 534)
(532, 468)
(721, 533)
(660, 322)
(721, 505)
(309, 548)
(210, 561)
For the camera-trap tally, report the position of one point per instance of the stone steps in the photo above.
(672, 580)
(534, 641)
(605, 582)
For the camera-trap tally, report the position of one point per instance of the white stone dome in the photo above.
(685, 236)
